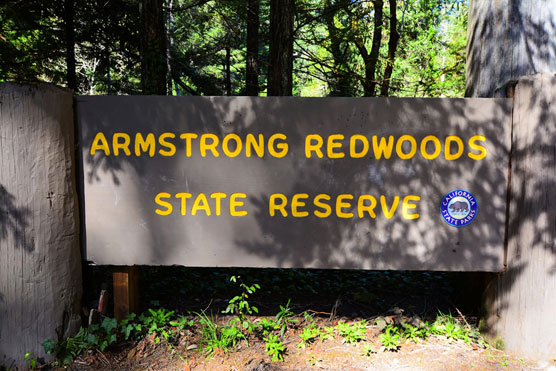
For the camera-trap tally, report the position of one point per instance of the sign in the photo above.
(295, 182)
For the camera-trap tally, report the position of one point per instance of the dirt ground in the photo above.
(332, 296)
(435, 353)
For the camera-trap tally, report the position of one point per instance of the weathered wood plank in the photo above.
(40, 260)
(126, 291)
(508, 39)
(523, 299)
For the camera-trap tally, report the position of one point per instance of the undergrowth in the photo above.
(215, 335)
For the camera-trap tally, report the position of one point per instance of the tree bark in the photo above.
(341, 84)
(228, 73)
(69, 13)
(507, 39)
(392, 46)
(40, 255)
(252, 59)
(281, 47)
(370, 59)
(153, 48)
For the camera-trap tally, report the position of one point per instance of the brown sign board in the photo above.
(293, 182)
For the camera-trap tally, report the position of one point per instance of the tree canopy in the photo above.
(238, 47)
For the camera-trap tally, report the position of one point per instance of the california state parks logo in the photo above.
(458, 208)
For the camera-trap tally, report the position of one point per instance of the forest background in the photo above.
(404, 48)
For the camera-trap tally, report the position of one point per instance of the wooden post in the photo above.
(126, 291)
(523, 299)
(40, 258)
(507, 40)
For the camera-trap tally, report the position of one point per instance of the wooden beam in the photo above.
(126, 291)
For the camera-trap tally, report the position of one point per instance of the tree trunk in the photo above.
(169, 46)
(153, 48)
(370, 59)
(392, 46)
(69, 14)
(228, 73)
(40, 256)
(341, 84)
(506, 40)
(281, 47)
(252, 59)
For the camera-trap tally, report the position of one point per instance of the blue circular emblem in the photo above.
(458, 208)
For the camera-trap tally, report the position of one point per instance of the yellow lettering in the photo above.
(171, 147)
(353, 144)
(389, 213)
(167, 205)
(201, 203)
(272, 206)
(252, 144)
(100, 142)
(144, 144)
(209, 146)
(477, 147)
(283, 147)
(316, 147)
(340, 204)
(448, 147)
(327, 209)
(331, 144)
(117, 145)
(183, 196)
(437, 147)
(296, 202)
(383, 148)
(399, 147)
(226, 145)
(218, 196)
(188, 137)
(406, 206)
(370, 209)
(234, 202)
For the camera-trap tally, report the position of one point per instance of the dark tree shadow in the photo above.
(14, 220)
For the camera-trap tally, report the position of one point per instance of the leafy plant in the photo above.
(352, 333)
(86, 338)
(32, 361)
(367, 350)
(390, 338)
(308, 335)
(156, 320)
(129, 327)
(274, 348)
(414, 333)
(215, 337)
(327, 333)
(285, 317)
(266, 326)
(239, 305)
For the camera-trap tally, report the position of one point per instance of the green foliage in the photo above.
(94, 336)
(327, 333)
(285, 317)
(266, 326)
(205, 36)
(32, 361)
(218, 337)
(308, 335)
(274, 348)
(239, 305)
(352, 333)
(415, 334)
(390, 338)
(367, 350)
